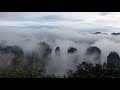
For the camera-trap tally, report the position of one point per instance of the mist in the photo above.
(28, 40)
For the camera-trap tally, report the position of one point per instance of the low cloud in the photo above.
(27, 39)
(62, 30)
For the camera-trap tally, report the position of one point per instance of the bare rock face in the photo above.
(40, 55)
(11, 56)
(91, 50)
(57, 51)
(73, 56)
(72, 50)
(19, 56)
(46, 50)
(94, 55)
(6, 56)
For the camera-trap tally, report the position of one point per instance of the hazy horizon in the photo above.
(81, 21)
(61, 29)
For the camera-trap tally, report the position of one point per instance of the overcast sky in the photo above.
(84, 21)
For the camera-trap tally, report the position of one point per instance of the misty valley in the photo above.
(60, 45)
(46, 60)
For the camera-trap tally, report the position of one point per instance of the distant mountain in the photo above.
(98, 33)
(115, 33)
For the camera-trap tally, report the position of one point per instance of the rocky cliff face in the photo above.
(19, 56)
(94, 55)
(57, 51)
(72, 50)
(40, 55)
(11, 56)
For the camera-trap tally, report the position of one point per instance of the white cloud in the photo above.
(64, 34)
(77, 20)
(27, 39)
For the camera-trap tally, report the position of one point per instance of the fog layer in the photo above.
(58, 64)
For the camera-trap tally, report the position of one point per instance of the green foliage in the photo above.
(12, 73)
(85, 70)
(32, 71)
(35, 71)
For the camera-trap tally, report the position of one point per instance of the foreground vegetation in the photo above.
(32, 71)
(83, 70)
